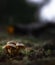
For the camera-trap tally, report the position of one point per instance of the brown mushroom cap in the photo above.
(8, 46)
(20, 45)
(11, 42)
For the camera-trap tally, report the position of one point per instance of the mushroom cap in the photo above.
(20, 44)
(9, 45)
(11, 42)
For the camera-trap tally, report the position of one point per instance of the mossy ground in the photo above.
(25, 61)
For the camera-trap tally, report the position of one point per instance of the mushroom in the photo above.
(20, 46)
(11, 42)
(9, 49)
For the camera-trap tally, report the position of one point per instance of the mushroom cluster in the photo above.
(12, 48)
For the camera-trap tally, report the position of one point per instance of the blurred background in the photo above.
(21, 18)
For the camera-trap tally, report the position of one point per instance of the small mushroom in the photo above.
(20, 46)
(11, 42)
(9, 49)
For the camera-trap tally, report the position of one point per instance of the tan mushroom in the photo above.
(11, 42)
(9, 49)
(20, 46)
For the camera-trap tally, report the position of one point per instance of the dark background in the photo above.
(21, 16)
(18, 9)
